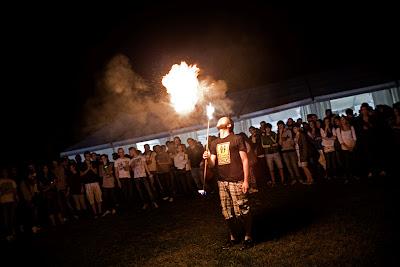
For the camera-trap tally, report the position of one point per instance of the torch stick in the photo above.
(206, 161)
(210, 111)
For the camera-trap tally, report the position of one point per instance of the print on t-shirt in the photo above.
(223, 153)
(138, 166)
(122, 166)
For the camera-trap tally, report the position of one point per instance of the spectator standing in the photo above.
(106, 172)
(347, 138)
(90, 177)
(269, 142)
(8, 204)
(288, 150)
(123, 174)
(303, 152)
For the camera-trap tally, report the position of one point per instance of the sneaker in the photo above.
(105, 213)
(155, 205)
(145, 206)
(229, 244)
(95, 217)
(113, 211)
(249, 243)
(293, 182)
(165, 198)
(171, 199)
(253, 190)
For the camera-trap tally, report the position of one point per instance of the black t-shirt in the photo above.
(228, 162)
(75, 183)
(195, 156)
(90, 176)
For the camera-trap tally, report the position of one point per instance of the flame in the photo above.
(183, 86)
(210, 111)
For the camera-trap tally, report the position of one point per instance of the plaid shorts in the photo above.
(232, 197)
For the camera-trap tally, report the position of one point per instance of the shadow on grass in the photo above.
(280, 211)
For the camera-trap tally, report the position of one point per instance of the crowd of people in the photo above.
(343, 148)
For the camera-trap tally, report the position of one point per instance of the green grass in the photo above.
(323, 225)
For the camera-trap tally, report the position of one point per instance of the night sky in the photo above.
(54, 59)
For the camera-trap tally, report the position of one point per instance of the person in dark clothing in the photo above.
(106, 172)
(303, 148)
(394, 124)
(350, 116)
(383, 139)
(76, 189)
(30, 199)
(78, 160)
(286, 142)
(269, 142)
(90, 177)
(228, 154)
(366, 140)
(8, 204)
(252, 157)
(260, 168)
(347, 138)
(48, 188)
(195, 154)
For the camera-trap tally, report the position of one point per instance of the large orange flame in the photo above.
(183, 86)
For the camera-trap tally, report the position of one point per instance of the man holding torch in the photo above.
(228, 154)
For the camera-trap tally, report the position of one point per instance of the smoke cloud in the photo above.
(125, 106)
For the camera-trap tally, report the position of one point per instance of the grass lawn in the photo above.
(328, 224)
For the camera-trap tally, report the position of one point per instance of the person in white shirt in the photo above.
(180, 162)
(328, 134)
(347, 139)
(122, 173)
(141, 176)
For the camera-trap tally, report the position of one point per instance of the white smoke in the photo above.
(122, 93)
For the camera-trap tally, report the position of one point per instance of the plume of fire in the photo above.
(183, 87)
(210, 111)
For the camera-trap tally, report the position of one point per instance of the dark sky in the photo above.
(54, 56)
